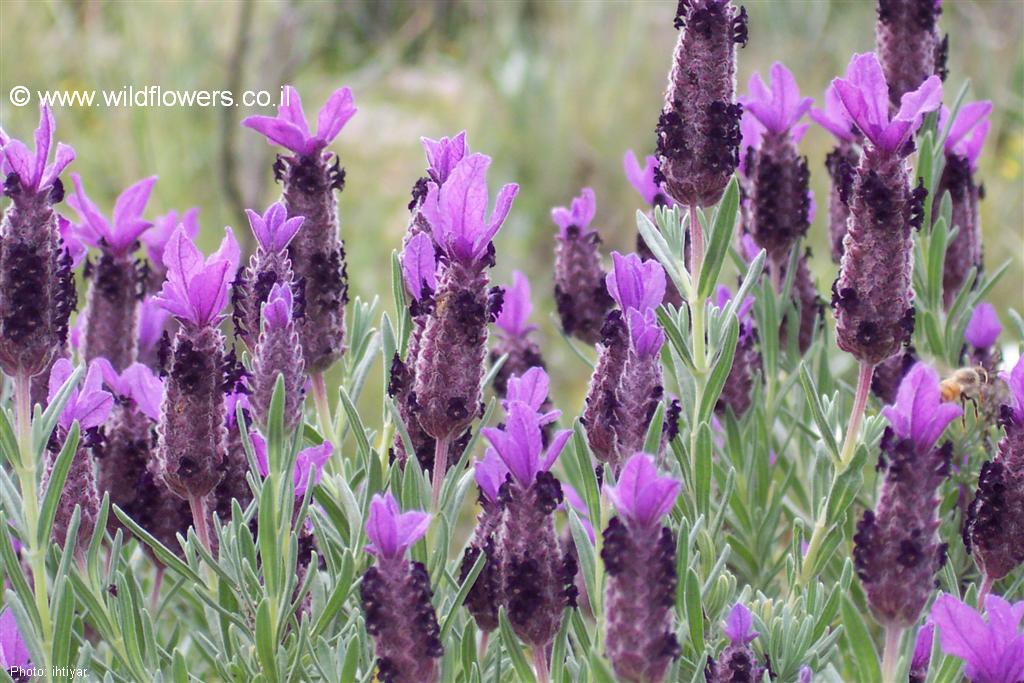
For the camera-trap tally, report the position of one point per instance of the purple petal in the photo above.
(277, 309)
(779, 109)
(59, 374)
(92, 405)
(519, 443)
(516, 307)
(391, 532)
(642, 179)
(969, 116)
(228, 251)
(739, 625)
(444, 154)
(913, 107)
(963, 633)
(152, 318)
(462, 203)
(645, 332)
(490, 473)
(292, 112)
(983, 328)
(13, 651)
(20, 161)
(530, 388)
(580, 213)
(419, 265)
(145, 388)
(641, 496)
(555, 448)
(208, 292)
(833, 117)
(87, 211)
(309, 466)
(923, 647)
(73, 246)
(278, 132)
(1015, 381)
(127, 218)
(634, 283)
(64, 156)
(44, 140)
(333, 116)
(259, 449)
(751, 133)
(111, 377)
(502, 205)
(412, 526)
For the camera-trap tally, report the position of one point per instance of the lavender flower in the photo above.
(191, 432)
(268, 267)
(872, 298)
(310, 179)
(90, 405)
(962, 149)
(698, 131)
(442, 157)
(155, 240)
(922, 654)
(779, 176)
(908, 44)
(737, 662)
(154, 321)
(14, 657)
(117, 281)
(450, 362)
(485, 597)
(982, 333)
(992, 649)
(640, 557)
(885, 381)
(537, 574)
(278, 353)
(580, 294)
(840, 163)
(994, 527)
(514, 334)
(896, 549)
(746, 361)
(396, 596)
(309, 463)
(37, 290)
(643, 181)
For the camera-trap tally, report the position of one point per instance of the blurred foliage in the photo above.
(554, 91)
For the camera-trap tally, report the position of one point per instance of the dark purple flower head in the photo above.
(277, 310)
(34, 174)
(643, 179)
(137, 384)
(739, 625)
(119, 235)
(579, 214)
(516, 307)
(490, 473)
(641, 496)
(13, 651)
(519, 443)
(922, 650)
(444, 155)
(196, 289)
(274, 230)
(391, 531)
(456, 211)
(419, 265)
(992, 649)
(919, 413)
(968, 132)
(983, 328)
(90, 404)
(156, 238)
(834, 117)
(779, 108)
(309, 462)
(865, 96)
(290, 130)
(634, 283)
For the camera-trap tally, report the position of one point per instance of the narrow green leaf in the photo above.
(856, 633)
(265, 640)
(720, 371)
(672, 264)
(55, 485)
(722, 230)
(460, 597)
(514, 649)
(818, 411)
(694, 610)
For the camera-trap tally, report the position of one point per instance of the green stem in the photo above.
(697, 330)
(891, 653)
(540, 665)
(323, 412)
(439, 470)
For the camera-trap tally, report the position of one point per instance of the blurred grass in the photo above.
(554, 91)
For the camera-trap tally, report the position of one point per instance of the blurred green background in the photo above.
(554, 91)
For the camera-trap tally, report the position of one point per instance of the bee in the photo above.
(965, 384)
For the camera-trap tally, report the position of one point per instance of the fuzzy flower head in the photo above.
(739, 625)
(277, 309)
(456, 210)
(983, 328)
(274, 230)
(89, 404)
(419, 266)
(444, 155)
(516, 307)
(865, 95)
(34, 174)
(1015, 381)
(992, 649)
(309, 463)
(519, 443)
(579, 214)
(641, 495)
(391, 531)
(634, 283)
(119, 234)
(196, 289)
(155, 239)
(642, 179)
(531, 388)
(968, 132)
(779, 107)
(834, 117)
(137, 383)
(490, 473)
(919, 413)
(290, 130)
(13, 651)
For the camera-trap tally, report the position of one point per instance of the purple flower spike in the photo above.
(840, 163)
(747, 359)
(117, 236)
(641, 496)
(579, 214)
(919, 412)
(865, 96)
(196, 290)
(636, 284)
(278, 353)
(34, 174)
(643, 179)
(13, 651)
(984, 328)
(90, 405)
(779, 108)
(992, 649)
(514, 338)
(834, 117)
(391, 531)
(908, 44)
(274, 230)
(419, 266)
(444, 155)
(519, 444)
(456, 210)
(290, 130)
(485, 597)
(155, 240)
(969, 130)
(739, 625)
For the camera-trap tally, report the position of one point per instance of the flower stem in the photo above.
(986, 587)
(697, 333)
(891, 653)
(485, 637)
(540, 664)
(198, 506)
(696, 245)
(440, 467)
(860, 402)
